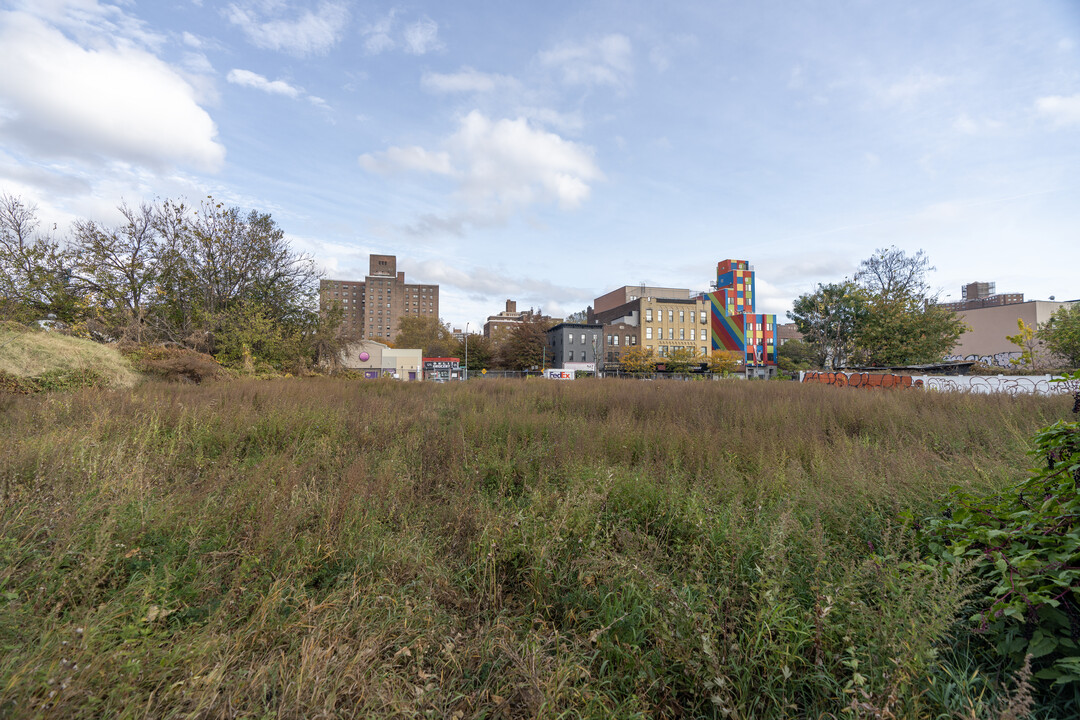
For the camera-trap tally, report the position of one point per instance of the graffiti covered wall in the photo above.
(1008, 384)
(1001, 359)
(870, 381)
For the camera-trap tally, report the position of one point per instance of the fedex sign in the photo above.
(560, 374)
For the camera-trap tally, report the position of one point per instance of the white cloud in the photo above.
(198, 63)
(101, 99)
(605, 61)
(377, 35)
(500, 167)
(1063, 110)
(250, 79)
(417, 38)
(968, 125)
(566, 122)
(191, 40)
(486, 282)
(911, 87)
(660, 55)
(464, 81)
(422, 37)
(408, 159)
(311, 33)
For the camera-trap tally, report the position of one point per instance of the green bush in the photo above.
(1024, 543)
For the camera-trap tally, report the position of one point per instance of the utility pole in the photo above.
(466, 351)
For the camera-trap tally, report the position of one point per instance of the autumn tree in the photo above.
(220, 268)
(1027, 340)
(35, 269)
(524, 346)
(725, 362)
(683, 359)
(427, 333)
(638, 360)
(119, 267)
(1061, 334)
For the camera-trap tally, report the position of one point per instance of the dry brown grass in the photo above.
(31, 353)
(327, 548)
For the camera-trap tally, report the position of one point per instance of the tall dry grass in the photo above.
(323, 548)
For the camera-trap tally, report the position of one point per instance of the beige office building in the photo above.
(988, 327)
(373, 307)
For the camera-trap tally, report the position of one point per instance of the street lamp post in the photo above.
(466, 351)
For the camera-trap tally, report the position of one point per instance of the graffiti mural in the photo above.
(1001, 359)
(1010, 385)
(983, 384)
(870, 381)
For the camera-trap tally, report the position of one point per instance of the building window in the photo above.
(631, 339)
(671, 316)
(648, 314)
(616, 337)
(691, 333)
(570, 339)
(571, 356)
(648, 333)
(682, 333)
(682, 316)
(671, 333)
(582, 338)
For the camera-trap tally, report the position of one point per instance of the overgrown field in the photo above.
(324, 548)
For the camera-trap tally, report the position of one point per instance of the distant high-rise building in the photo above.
(982, 294)
(373, 307)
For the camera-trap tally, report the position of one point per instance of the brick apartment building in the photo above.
(373, 307)
(980, 295)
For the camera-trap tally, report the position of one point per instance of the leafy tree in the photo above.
(1028, 343)
(638, 360)
(795, 355)
(906, 331)
(35, 269)
(681, 360)
(902, 324)
(1061, 334)
(830, 318)
(525, 345)
(427, 333)
(480, 353)
(119, 268)
(215, 257)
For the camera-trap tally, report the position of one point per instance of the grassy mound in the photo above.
(326, 548)
(33, 360)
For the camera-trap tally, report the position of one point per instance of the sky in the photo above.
(551, 152)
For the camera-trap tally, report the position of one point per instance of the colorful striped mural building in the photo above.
(735, 326)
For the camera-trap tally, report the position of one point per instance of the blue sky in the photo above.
(550, 152)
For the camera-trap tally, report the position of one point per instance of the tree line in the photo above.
(884, 316)
(206, 277)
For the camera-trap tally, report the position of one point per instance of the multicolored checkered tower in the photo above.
(735, 325)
